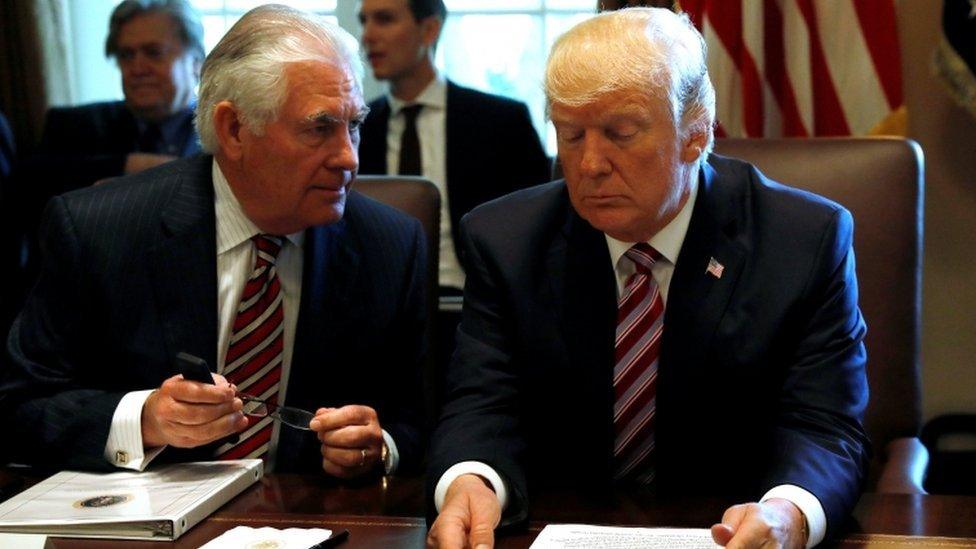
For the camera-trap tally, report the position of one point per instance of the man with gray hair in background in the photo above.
(259, 259)
(664, 319)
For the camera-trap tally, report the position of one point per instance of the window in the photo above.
(220, 15)
(499, 46)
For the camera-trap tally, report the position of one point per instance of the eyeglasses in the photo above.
(292, 417)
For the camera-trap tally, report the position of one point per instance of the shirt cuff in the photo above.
(124, 445)
(470, 468)
(808, 504)
(391, 466)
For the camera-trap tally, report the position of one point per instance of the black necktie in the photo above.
(409, 142)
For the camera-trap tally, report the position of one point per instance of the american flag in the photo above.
(715, 268)
(802, 67)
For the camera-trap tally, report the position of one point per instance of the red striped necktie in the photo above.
(256, 348)
(640, 323)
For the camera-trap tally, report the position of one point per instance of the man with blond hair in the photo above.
(664, 318)
(259, 259)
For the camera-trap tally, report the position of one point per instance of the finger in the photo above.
(220, 381)
(186, 436)
(749, 535)
(347, 415)
(448, 531)
(355, 436)
(483, 524)
(346, 457)
(339, 471)
(734, 515)
(722, 534)
(191, 414)
(193, 391)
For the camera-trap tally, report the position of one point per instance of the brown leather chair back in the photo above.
(418, 198)
(880, 181)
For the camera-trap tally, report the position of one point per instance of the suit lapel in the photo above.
(697, 298)
(584, 301)
(456, 141)
(372, 149)
(331, 267)
(185, 265)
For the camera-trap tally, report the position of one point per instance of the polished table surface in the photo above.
(389, 513)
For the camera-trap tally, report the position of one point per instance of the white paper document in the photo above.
(571, 536)
(158, 504)
(289, 538)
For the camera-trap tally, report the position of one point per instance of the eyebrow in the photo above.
(326, 118)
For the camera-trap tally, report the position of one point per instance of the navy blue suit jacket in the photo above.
(81, 145)
(761, 379)
(492, 148)
(129, 279)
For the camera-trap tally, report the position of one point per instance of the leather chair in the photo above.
(418, 198)
(880, 181)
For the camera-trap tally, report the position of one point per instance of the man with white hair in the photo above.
(258, 259)
(664, 318)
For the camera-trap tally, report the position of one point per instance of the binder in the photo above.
(160, 504)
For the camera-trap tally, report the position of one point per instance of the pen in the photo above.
(332, 541)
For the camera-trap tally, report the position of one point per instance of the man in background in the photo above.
(258, 259)
(664, 319)
(158, 45)
(472, 145)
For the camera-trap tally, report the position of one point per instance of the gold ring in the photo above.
(363, 461)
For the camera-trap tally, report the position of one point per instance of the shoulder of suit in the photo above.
(152, 187)
(521, 207)
(777, 199)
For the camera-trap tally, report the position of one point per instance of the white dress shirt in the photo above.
(431, 131)
(235, 262)
(667, 242)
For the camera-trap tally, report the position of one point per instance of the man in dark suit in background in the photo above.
(660, 319)
(474, 146)
(158, 45)
(258, 259)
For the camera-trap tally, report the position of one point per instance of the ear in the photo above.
(229, 130)
(430, 27)
(693, 145)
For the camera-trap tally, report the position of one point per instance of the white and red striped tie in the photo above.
(256, 347)
(640, 323)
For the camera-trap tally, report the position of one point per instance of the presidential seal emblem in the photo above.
(102, 501)
(266, 544)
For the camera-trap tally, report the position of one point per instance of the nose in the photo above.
(345, 153)
(593, 162)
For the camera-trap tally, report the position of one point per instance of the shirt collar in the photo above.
(434, 95)
(233, 225)
(668, 240)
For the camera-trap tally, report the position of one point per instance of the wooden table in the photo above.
(389, 513)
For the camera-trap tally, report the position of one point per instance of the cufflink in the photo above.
(121, 457)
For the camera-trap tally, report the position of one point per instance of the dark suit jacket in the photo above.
(492, 148)
(81, 145)
(761, 378)
(129, 279)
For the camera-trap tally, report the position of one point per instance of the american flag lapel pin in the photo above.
(715, 268)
